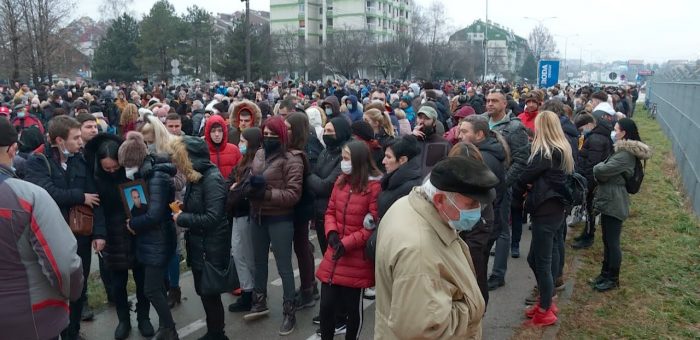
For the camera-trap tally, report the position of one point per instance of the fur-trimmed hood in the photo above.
(249, 106)
(637, 148)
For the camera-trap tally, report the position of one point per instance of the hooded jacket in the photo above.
(398, 184)
(611, 197)
(203, 213)
(155, 231)
(41, 270)
(224, 155)
(424, 276)
(327, 169)
(234, 134)
(355, 113)
(335, 105)
(597, 147)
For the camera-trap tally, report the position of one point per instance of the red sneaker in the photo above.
(530, 311)
(541, 319)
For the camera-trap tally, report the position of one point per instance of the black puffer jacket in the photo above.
(120, 246)
(155, 231)
(398, 184)
(596, 148)
(327, 169)
(203, 212)
(494, 155)
(547, 179)
(571, 133)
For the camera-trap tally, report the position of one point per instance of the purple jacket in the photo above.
(39, 268)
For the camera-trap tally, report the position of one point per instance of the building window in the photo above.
(302, 23)
(320, 26)
(301, 7)
(320, 40)
(329, 22)
(320, 10)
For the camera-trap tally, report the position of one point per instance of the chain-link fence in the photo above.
(676, 104)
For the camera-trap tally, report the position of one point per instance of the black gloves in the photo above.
(257, 181)
(257, 188)
(334, 242)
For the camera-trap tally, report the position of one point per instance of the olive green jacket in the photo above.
(611, 197)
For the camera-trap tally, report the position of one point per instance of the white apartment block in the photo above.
(314, 20)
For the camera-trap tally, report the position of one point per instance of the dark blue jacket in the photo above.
(155, 230)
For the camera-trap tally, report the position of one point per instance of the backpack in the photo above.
(634, 182)
(577, 189)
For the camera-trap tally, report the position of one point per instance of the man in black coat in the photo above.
(597, 147)
(62, 170)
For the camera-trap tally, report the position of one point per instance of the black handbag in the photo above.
(216, 281)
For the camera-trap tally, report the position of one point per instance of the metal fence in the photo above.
(678, 112)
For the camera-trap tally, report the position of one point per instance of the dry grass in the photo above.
(659, 297)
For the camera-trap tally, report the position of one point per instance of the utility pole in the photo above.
(210, 74)
(486, 43)
(247, 40)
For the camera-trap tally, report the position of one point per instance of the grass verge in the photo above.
(659, 294)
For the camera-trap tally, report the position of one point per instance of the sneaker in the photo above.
(530, 311)
(340, 329)
(534, 297)
(370, 293)
(541, 319)
(316, 320)
(607, 284)
(87, 314)
(515, 252)
(305, 299)
(495, 282)
(289, 320)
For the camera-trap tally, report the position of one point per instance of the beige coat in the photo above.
(425, 282)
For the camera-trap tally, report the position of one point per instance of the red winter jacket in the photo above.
(345, 215)
(225, 155)
(528, 119)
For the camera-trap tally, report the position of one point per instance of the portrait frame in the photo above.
(125, 190)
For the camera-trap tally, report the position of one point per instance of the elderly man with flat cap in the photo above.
(425, 282)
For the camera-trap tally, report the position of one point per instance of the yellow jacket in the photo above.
(425, 282)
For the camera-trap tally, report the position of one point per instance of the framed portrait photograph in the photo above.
(134, 196)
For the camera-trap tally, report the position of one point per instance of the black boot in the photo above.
(586, 241)
(305, 299)
(289, 320)
(604, 272)
(214, 336)
(612, 281)
(166, 334)
(123, 330)
(174, 297)
(243, 304)
(146, 328)
(259, 308)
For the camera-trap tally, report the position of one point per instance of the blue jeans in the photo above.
(174, 270)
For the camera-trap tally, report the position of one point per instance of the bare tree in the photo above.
(346, 51)
(542, 43)
(112, 9)
(10, 28)
(286, 53)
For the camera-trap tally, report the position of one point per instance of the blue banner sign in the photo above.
(548, 73)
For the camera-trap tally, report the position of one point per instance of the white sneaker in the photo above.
(339, 329)
(370, 293)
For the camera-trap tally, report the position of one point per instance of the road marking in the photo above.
(278, 282)
(191, 328)
(366, 304)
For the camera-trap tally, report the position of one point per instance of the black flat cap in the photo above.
(465, 176)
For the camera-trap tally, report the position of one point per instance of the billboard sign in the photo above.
(548, 73)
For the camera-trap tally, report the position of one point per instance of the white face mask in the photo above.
(131, 171)
(346, 167)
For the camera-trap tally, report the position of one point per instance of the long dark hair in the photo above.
(254, 137)
(630, 128)
(299, 123)
(108, 149)
(362, 167)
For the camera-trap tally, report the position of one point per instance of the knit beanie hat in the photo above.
(133, 151)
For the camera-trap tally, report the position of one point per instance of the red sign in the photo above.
(646, 73)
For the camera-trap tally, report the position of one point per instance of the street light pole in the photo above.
(486, 43)
(247, 40)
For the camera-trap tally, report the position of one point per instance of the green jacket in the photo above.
(611, 197)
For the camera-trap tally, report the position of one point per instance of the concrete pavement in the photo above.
(504, 314)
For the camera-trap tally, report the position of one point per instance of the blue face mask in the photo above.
(467, 218)
(329, 112)
(243, 149)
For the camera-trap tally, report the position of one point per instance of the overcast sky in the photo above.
(653, 31)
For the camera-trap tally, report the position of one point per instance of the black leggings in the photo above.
(544, 232)
(349, 300)
(612, 254)
(154, 289)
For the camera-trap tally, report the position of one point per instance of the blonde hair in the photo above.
(400, 114)
(162, 137)
(130, 114)
(181, 159)
(549, 136)
(383, 119)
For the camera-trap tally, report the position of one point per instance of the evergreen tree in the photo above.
(529, 68)
(116, 53)
(230, 62)
(161, 33)
(199, 32)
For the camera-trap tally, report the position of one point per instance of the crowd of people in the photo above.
(409, 187)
